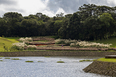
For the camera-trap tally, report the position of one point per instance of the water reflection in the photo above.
(46, 67)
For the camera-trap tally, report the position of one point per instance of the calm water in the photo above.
(47, 68)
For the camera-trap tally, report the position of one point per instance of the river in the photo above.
(46, 67)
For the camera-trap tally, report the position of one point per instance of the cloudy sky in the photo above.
(48, 7)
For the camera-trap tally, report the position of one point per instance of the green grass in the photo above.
(109, 41)
(107, 59)
(7, 42)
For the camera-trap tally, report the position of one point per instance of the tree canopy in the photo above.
(90, 22)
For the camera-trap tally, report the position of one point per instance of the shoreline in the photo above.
(56, 53)
(102, 68)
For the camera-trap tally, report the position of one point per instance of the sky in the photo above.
(47, 7)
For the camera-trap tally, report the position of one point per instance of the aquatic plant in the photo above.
(1, 60)
(15, 59)
(7, 58)
(40, 61)
(29, 61)
(86, 60)
(60, 62)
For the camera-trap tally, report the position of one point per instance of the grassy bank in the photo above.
(107, 59)
(105, 41)
(7, 42)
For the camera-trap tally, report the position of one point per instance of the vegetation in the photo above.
(40, 61)
(107, 59)
(90, 22)
(6, 43)
(75, 43)
(1, 60)
(29, 61)
(86, 60)
(15, 59)
(105, 41)
(7, 57)
(60, 62)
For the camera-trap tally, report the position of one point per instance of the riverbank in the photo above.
(56, 53)
(103, 68)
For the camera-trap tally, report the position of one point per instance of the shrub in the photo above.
(25, 39)
(59, 41)
(90, 44)
(65, 41)
(18, 46)
(31, 47)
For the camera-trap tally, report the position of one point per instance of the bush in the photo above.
(90, 44)
(14, 48)
(65, 41)
(18, 46)
(31, 47)
(27, 39)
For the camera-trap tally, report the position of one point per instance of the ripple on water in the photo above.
(48, 67)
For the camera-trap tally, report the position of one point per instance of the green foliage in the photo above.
(60, 42)
(90, 22)
(15, 48)
(31, 48)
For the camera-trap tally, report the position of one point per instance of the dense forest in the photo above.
(90, 22)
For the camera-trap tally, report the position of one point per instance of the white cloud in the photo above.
(31, 6)
(48, 7)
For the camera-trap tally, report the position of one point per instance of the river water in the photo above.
(46, 67)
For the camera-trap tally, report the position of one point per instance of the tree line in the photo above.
(90, 22)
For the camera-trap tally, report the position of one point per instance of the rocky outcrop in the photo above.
(103, 68)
